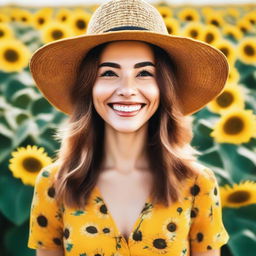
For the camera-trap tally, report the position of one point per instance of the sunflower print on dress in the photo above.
(192, 224)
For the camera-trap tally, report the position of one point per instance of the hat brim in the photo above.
(202, 69)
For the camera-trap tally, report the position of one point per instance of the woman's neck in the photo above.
(125, 152)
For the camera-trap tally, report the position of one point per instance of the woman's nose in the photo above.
(127, 86)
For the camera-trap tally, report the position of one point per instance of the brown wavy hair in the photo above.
(170, 155)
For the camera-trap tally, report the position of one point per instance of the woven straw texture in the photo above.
(126, 13)
(202, 69)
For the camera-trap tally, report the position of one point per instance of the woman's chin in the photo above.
(126, 127)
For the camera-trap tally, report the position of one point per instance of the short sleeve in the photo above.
(207, 231)
(45, 227)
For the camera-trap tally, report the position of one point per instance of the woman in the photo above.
(126, 181)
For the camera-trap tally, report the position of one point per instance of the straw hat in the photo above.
(202, 70)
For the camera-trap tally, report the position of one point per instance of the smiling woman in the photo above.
(126, 179)
(129, 86)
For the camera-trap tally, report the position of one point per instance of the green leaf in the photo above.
(20, 118)
(21, 133)
(15, 199)
(239, 166)
(41, 106)
(12, 87)
(16, 239)
(211, 157)
(245, 70)
(244, 240)
(5, 146)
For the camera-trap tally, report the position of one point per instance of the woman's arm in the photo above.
(209, 253)
(44, 252)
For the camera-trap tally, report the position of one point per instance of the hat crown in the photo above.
(123, 15)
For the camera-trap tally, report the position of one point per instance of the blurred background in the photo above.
(224, 131)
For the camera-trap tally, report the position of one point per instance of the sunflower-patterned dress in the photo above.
(193, 224)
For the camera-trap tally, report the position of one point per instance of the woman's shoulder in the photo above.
(204, 173)
(206, 179)
(47, 174)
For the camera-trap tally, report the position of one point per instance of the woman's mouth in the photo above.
(126, 109)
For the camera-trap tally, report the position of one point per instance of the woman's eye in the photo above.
(144, 71)
(107, 72)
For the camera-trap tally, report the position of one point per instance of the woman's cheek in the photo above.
(152, 92)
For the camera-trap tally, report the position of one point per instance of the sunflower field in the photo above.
(224, 131)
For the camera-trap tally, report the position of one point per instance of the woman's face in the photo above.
(125, 93)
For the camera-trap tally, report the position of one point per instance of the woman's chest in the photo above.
(157, 230)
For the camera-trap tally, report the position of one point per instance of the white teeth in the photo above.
(130, 108)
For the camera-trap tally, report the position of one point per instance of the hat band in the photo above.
(125, 28)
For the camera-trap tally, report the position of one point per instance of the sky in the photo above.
(85, 2)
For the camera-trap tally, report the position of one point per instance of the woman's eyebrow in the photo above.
(137, 65)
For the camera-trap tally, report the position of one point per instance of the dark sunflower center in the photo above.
(1, 33)
(24, 19)
(41, 21)
(57, 34)
(239, 196)
(233, 125)
(80, 24)
(252, 21)
(188, 18)
(243, 29)
(32, 165)
(169, 30)
(249, 50)
(225, 50)
(63, 18)
(11, 55)
(225, 99)
(194, 33)
(215, 23)
(159, 243)
(209, 37)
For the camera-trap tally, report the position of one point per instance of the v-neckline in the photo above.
(148, 200)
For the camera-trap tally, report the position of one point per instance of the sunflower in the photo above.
(79, 21)
(90, 229)
(172, 26)
(5, 31)
(233, 76)
(232, 31)
(25, 16)
(251, 17)
(244, 25)
(189, 14)
(42, 17)
(193, 30)
(27, 163)
(228, 48)
(210, 34)
(63, 14)
(14, 55)
(241, 194)
(55, 30)
(247, 50)
(215, 19)
(165, 11)
(14, 14)
(157, 244)
(232, 96)
(235, 126)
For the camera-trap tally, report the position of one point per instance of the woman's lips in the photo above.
(127, 113)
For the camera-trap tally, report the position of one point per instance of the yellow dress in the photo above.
(194, 224)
